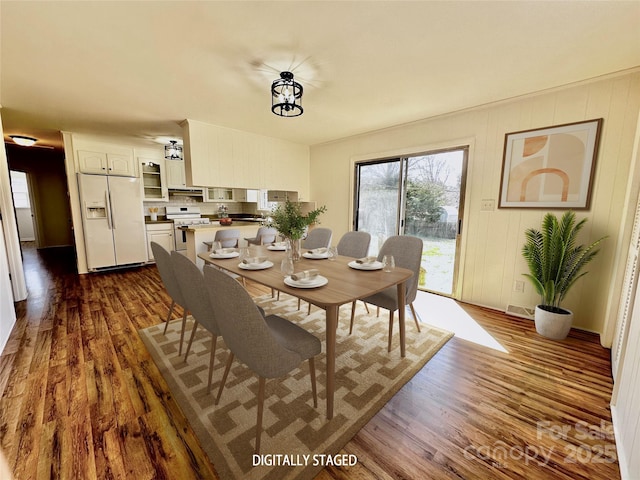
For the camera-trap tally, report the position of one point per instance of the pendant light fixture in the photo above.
(173, 151)
(23, 141)
(286, 96)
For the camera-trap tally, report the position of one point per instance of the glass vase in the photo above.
(293, 248)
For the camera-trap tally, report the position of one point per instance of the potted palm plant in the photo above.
(292, 224)
(555, 263)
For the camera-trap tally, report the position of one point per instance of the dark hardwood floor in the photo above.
(80, 397)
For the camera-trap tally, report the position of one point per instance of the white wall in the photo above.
(492, 240)
(7, 311)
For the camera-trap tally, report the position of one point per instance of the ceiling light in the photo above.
(173, 151)
(286, 96)
(22, 140)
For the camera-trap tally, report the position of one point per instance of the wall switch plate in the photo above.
(518, 286)
(487, 204)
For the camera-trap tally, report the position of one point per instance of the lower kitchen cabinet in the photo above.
(162, 234)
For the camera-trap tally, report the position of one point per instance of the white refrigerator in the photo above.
(113, 221)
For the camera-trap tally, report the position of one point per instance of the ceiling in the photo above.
(140, 68)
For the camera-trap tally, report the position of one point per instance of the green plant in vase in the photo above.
(292, 224)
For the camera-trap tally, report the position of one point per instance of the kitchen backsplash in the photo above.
(206, 208)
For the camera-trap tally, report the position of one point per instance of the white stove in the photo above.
(184, 216)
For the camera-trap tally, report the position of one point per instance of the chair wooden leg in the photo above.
(415, 317)
(353, 314)
(390, 330)
(377, 311)
(184, 325)
(193, 334)
(166, 322)
(312, 373)
(214, 341)
(309, 310)
(261, 383)
(224, 377)
(278, 297)
(298, 304)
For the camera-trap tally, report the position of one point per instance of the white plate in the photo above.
(315, 256)
(224, 255)
(277, 247)
(319, 281)
(256, 266)
(365, 266)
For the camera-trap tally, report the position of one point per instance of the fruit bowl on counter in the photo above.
(225, 221)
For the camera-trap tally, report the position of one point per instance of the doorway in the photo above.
(420, 195)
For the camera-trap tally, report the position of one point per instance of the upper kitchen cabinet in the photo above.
(154, 179)
(174, 170)
(222, 156)
(106, 163)
(245, 195)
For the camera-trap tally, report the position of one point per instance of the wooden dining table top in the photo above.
(345, 284)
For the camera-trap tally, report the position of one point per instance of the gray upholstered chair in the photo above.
(195, 295)
(228, 238)
(270, 346)
(265, 236)
(317, 237)
(407, 253)
(356, 245)
(163, 262)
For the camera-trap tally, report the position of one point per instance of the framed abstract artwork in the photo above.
(550, 167)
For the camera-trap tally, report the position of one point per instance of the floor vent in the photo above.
(519, 311)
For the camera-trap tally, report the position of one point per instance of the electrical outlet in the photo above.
(518, 286)
(487, 204)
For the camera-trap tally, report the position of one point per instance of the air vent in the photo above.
(520, 311)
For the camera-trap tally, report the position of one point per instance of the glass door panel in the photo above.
(377, 203)
(421, 196)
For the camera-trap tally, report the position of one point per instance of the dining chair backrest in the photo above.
(163, 262)
(194, 292)
(244, 329)
(407, 253)
(354, 244)
(228, 238)
(317, 238)
(266, 235)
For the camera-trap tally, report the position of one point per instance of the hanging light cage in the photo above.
(173, 151)
(286, 96)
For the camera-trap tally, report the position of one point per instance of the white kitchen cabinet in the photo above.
(217, 194)
(105, 163)
(175, 174)
(153, 179)
(245, 195)
(162, 234)
(217, 155)
(281, 196)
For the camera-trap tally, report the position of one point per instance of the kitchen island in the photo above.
(196, 235)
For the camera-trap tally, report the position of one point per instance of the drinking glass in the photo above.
(333, 253)
(215, 246)
(388, 263)
(244, 253)
(286, 267)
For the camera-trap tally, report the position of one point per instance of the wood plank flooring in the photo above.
(80, 397)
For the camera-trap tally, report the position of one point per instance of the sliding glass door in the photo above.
(421, 195)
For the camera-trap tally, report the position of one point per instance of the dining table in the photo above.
(344, 284)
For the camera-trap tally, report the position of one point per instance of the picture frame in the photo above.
(550, 167)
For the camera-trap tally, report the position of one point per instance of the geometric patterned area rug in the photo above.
(297, 440)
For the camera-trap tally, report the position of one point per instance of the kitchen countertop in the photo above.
(216, 225)
(148, 220)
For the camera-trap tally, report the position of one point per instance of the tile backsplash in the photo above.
(206, 208)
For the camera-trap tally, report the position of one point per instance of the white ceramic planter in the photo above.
(555, 326)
